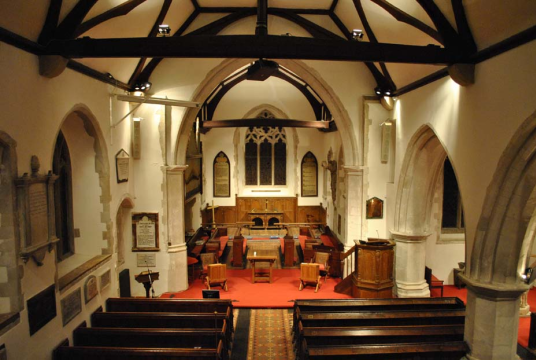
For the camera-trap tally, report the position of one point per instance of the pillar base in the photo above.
(178, 268)
(412, 290)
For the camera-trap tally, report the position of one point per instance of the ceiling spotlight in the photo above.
(357, 34)
(143, 86)
(164, 30)
(378, 91)
(388, 93)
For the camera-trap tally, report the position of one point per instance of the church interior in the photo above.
(373, 153)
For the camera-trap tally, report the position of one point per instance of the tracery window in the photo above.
(266, 155)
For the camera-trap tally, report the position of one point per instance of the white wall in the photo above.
(473, 123)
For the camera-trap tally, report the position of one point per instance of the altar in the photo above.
(265, 218)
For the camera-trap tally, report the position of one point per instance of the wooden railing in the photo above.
(348, 262)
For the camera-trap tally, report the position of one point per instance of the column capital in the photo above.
(353, 169)
(174, 168)
(494, 291)
(405, 237)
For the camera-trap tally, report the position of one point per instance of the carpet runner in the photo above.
(270, 335)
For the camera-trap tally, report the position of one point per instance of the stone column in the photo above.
(354, 204)
(410, 256)
(354, 211)
(174, 197)
(492, 319)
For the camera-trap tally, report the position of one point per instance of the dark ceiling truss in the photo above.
(211, 103)
(459, 46)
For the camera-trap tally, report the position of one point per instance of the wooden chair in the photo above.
(191, 262)
(217, 274)
(433, 282)
(322, 259)
(310, 275)
(206, 260)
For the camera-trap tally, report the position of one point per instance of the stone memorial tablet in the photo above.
(71, 305)
(309, 175)
(105, 279)
(122, 166)
(145, 232)
(222, 176)
(90, 288)
(146, 260)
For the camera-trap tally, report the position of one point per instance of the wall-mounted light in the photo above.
(164, 30)
(357, 34)
(143, 86)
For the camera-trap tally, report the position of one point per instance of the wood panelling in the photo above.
(313, 214)
(286, 205)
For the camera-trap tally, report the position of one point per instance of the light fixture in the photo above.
(164, 30)
(383, 91)
(357, 34)
(137, 119)
(143, 86)
(378, 91)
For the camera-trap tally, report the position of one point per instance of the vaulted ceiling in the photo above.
(404, 41)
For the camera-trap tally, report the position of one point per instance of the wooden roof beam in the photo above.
(250, 46)
(119, 10)
(213, 124)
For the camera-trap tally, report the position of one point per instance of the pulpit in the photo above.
(374, 270)
(147, 278)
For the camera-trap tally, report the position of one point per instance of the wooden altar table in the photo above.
(259, 256)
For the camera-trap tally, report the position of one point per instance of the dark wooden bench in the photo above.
(65, 352)
(454, 350)
(159, 320)
(210, 306)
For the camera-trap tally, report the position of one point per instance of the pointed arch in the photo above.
(311, 76)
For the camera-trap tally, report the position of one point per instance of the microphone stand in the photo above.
(150, 279)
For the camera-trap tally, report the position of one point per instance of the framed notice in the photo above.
(145, 232)
(309, 175)
(222, 175)
(122, 165)
(146, 260)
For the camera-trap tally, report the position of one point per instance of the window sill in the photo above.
(451, 237)
(70, 278)
(7, 321)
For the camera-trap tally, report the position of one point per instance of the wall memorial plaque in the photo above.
(71, 305)
(222, 175)
(146, 260)
(145, 232)
(309, 175)
(41, 309)
(90, 288)
(35, 202)
(122, 166)
(105, 279)
(374, 208)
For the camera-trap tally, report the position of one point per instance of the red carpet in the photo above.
(263, 294)
(524, 323)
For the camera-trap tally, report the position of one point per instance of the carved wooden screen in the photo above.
(266, 156)
(309, 175)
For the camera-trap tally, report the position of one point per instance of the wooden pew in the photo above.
(453, 350)
(159, 320)
(147, 338)
(171, 305)
(66, 352)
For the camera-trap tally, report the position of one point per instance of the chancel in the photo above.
(380, 151)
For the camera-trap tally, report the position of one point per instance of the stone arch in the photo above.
(101, 167)
(506, 226)
(121, 226)
(421, 167)
(309, 75)
(9, 234)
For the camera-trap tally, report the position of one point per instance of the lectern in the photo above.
(147, 278)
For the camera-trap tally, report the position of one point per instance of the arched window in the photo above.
(63, 198)
(452, 219)
(266, 156)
